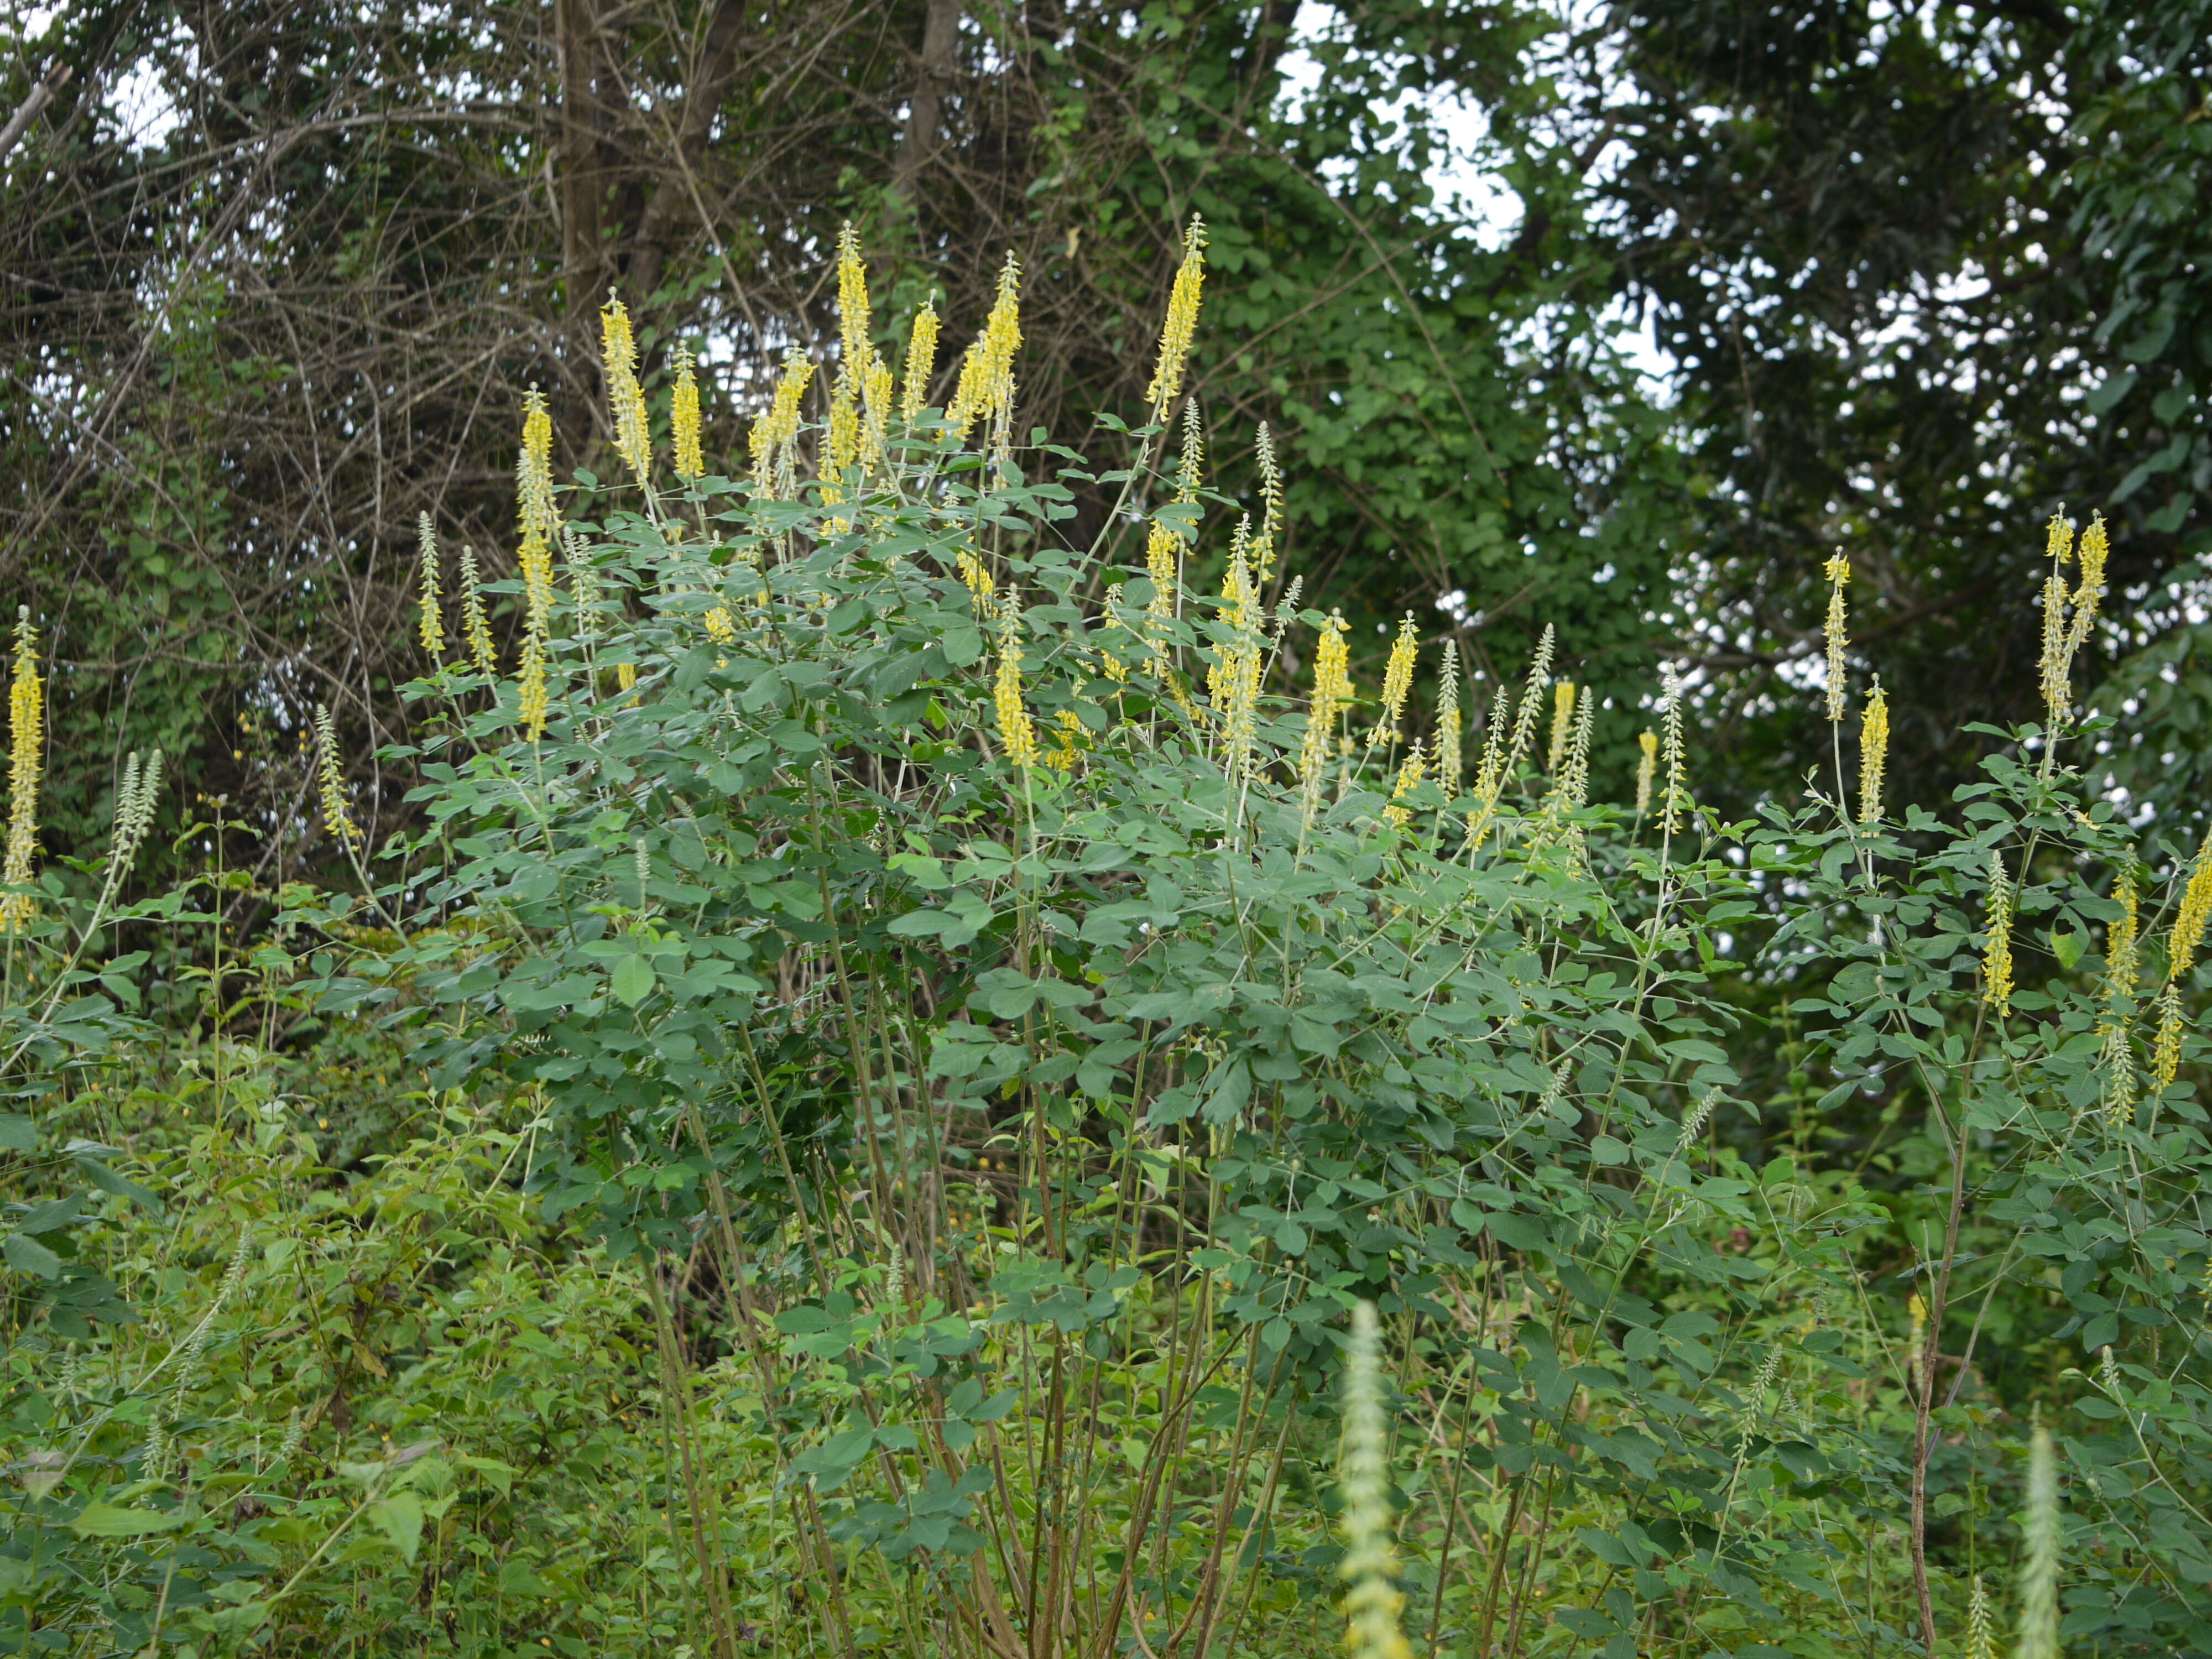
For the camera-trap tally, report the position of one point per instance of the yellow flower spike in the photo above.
(1839, 572)
(877, 391)
(331, 777)
(626, 676)
(2166, 1050)
(980, 588)
(27, 751)
(2057, 659)
(690, 458)
(1373, 1603)
(534, 699)
(1448, 721)
(1675, 752)
(476, 627)
(855, 319)
(2189, 918)
(1409, 775)
(1874, 754)
(1997, 953)
(1647, 769)
(1271, 508)
(1332, 690)
(1017, 734)
(721, 627)
(1067, 738)
(986, 373)
(920, 362)
(533, 490)
(1563, 726)
(430, 620)
(774, 436)
(1182, 324)
(1574, 780)
(1190, 465)
(2122, 951)
(1397, 679)
(2096, 548)
(1162, 561)
(625, 397)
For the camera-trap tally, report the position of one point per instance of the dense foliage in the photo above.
(858, 1123)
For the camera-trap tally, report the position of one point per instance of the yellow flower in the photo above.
(2166, 1051)
(691, 459)
(1397, 679)
(1233, 681)
(1182, 324)
(1190, 466)
(1409, 775)
(2056, 658)
(2189, 918)
(1067, 741)
(2123, 951)
(2096, 548)
(855, 318)
(774, 436)
(721, 628)
(1332, 690)
(1563, 726)
(980, 588)
(1162, 557)
(626, 676)
(430, 622)
(987, 375)
(1448, 733)
(534, 699)
(1271, 507)
(625, 397)
(1839, 571)
(877, 389)
(1647, 769)
(333, 780)
(476, 629)
(1874, 754)
(1677, 801)
(1017, 734)
(1997, 953)
(534, 490)
(26, 740)
(920, 362)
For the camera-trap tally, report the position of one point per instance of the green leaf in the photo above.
(27, 1254)
(17, 1134)
(2067, 945)
(399, 1518)
(107, 1521)
(963, 644)
(633, 980)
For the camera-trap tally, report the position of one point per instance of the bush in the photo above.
(909, 1002)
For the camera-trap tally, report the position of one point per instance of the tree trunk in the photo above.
(925, 120)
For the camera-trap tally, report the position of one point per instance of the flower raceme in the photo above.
(920, 362)
(1373, 1602)
(684, 420)
(1839, 572)
(1874, 754)
(625, 397)
(986, 387)
(1182, 324)
(1017, 734)
(1397, 679)
(25, 756)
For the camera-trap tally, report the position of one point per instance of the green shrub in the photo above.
(991, 1033)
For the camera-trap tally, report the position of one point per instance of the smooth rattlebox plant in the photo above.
(1007, 1043)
